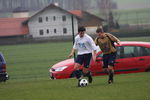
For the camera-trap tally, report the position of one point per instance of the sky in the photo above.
(133, 4)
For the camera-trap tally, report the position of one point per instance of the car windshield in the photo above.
(98, 49)
(100, 55)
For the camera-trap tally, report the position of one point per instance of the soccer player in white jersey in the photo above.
(85, 46)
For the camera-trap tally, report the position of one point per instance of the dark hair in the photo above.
(81, 29)
(99, 30)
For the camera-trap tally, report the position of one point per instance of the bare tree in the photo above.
(105, 8)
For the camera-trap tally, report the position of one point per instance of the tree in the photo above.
(105, 8)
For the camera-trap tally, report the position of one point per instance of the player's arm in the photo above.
(73, 49)
(96, 41)
(94, 55)
(72, 52)
(113, 38)
(93, 45)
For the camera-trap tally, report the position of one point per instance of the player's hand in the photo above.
(70, 55)
(118, 42)
(94, 58)
(94, 55)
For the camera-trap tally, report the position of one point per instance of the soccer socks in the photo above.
(89, 76)
(111, 74)
(78, 74)
(106, 71)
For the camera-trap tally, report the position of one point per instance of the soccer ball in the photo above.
(83, 82)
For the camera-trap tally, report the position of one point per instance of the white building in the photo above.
(52, 21)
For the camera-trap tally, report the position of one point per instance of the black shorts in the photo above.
(84, 59)
(109, 59)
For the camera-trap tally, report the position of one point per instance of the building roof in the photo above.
(50, 6)
(76, 12)
(87, 19)
(12, 27)
(82, 14)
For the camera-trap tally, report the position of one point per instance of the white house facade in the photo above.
(52, 21)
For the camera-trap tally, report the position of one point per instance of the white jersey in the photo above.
(84, 45)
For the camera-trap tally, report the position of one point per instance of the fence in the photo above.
(135, 20)
(130, 20)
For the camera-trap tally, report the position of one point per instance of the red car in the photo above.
(132, 57)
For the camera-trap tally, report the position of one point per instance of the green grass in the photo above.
(126, 87)
(28, 66)
(33, 60)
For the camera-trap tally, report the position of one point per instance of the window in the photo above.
(119, 52)
(129, 51)
(47, 31)
(55, 31)
(146, 51)
(41, 32)
(65, 30)
(40, 20)
(132, 51)
(63, 18)
(143, 51)
(46, 18)
(54, 18)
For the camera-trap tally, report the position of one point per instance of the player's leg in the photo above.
(86, 71)
(111, 62)
(78, 74)
(105, 70)
(111, 74)
(105, 64)
(77, 71)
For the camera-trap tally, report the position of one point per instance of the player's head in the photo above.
(81, 31)
(100, 32)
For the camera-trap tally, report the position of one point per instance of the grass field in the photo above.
(28, 66)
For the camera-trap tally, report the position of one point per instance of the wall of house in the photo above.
(50, 23)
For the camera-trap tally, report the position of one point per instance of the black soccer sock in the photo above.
(106, 71)
(111, 74)
(88, 74)
(78, 74)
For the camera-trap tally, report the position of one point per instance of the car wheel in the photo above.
(52, 78)
(147, 70)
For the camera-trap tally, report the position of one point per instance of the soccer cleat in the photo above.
(89, 75)
(110, 81)
(79, 82)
